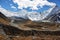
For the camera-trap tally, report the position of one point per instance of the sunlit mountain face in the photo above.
(26, 8)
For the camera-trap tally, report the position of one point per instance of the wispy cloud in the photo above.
(13, 7)
(33, 4)
(7, 12)
(22, 13)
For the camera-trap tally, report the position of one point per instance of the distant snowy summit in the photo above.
(51, 15)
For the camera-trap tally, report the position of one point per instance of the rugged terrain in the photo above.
(28, 30)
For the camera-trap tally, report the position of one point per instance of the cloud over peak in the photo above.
(33, 3)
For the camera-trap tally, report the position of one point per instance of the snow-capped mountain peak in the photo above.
(45, 15)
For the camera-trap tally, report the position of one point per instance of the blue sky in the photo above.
(55, 1)
(7, 5)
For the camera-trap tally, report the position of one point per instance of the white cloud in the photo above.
(33, 4)
(13, 7)
(8, 13)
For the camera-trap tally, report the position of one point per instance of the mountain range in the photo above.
(49, 15)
